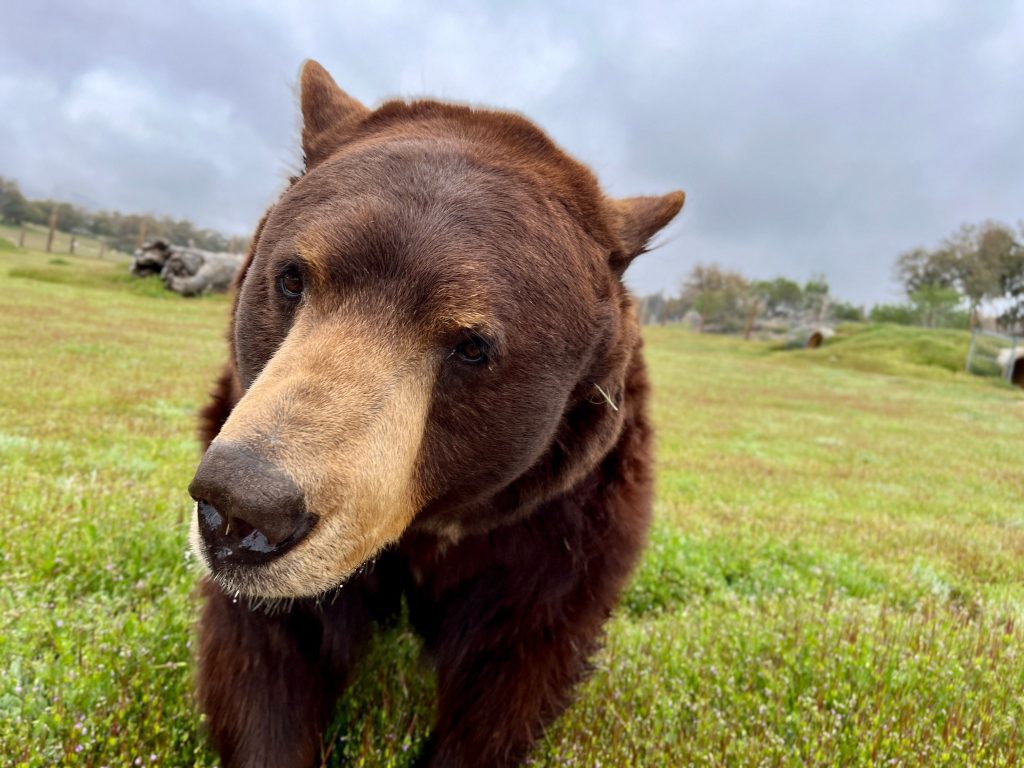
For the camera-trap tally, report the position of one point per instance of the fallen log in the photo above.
(192, 273)
(188, 271)
(150, 258)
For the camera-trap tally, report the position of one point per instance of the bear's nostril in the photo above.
(255, 541)
(210, 520)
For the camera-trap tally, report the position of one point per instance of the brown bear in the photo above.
(435, 392)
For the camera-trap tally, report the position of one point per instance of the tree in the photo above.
(934, 306)
(1011, 283)
(845, 311)
(920, 267)
(978, 256)
(780, 297)
(71, 217)
(13, 205)
(972, 261)
(37, 212)
(900, 314)
(816, 297)
(720, 296)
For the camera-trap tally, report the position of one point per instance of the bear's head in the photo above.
(431, 331)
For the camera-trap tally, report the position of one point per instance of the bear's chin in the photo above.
(245, 583)
(257, 586)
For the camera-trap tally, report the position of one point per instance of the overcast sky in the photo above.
(809, 136)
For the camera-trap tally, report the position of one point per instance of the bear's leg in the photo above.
(501, 682)
(267, 683)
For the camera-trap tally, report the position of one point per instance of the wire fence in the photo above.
(37, 238)
(996, 354)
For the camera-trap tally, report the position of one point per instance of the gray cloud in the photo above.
(809, 136)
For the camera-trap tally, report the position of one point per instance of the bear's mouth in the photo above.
(305, 565)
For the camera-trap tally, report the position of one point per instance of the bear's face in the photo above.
(425, 310)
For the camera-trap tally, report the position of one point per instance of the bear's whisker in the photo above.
(606, 396)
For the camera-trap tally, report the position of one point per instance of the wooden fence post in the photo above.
(72, 244)
(53, 228)
(1011, 365)
(751, 316)
(21, 237)
(970, 351)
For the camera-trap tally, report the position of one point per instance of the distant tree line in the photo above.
(722, 300)
(120, 231)
(979, 266)
(948, 285)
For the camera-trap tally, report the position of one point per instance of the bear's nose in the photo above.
(249, 510)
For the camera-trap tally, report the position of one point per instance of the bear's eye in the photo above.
(471, 349)
(291, 283)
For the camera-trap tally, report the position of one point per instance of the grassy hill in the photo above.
(836, 574)
(896, 350)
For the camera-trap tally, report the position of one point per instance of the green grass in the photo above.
(835, 577)
(110, 273)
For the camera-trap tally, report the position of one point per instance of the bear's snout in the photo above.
(249, 511)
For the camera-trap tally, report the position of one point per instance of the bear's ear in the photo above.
(328, 113)
(638, 219)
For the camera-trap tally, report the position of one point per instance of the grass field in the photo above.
(836, 575)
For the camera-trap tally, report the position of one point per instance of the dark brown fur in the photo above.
(549, 499)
